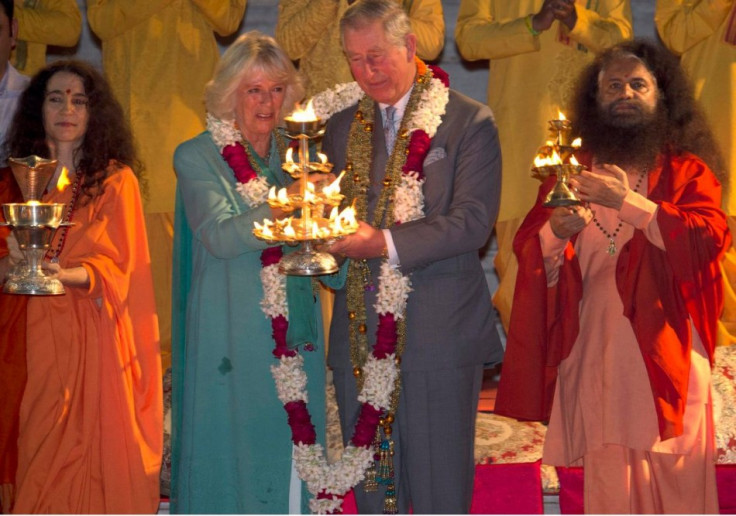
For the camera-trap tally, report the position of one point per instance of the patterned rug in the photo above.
(501, 440)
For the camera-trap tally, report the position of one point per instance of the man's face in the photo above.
(384, 71)
(7, 40)
(627, 93)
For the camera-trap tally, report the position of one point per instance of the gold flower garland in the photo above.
(358, 166)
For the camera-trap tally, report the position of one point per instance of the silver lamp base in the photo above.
(34, 286)
(308, 262)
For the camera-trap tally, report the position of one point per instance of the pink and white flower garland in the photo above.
(330, 482)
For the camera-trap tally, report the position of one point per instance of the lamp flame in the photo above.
(543, 161)
(333, 188)
(573, 161)
(63, 181)
(560, 115)
(290, 155)
(577, 142)
(303, 115)
(289, 230)
(265, 228)
(283, 197)
(309, 193)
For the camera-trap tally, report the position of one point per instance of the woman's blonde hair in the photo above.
(251, 53)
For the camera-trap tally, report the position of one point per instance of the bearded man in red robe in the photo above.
(617, 300)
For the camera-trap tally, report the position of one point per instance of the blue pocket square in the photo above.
(435, 154)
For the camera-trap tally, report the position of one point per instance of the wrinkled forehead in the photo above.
(625, 67)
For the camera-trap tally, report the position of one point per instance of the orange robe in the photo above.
(12, 350)
(91, 425)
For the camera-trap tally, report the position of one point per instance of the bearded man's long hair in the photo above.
(679, 124)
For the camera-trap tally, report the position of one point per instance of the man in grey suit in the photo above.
(449, 322)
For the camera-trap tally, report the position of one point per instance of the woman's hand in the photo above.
(567, 221)
(73, 277)
(15, 255)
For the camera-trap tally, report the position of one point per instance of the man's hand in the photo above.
(367, 242)
(567, 221)
(606, 185)
(563, 10)
(545, 17)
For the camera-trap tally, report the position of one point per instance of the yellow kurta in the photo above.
(42, 23)
(696, 30)
(308, 31)
(531, 77)
(158, 55)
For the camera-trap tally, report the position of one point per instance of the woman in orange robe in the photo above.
(90, 434)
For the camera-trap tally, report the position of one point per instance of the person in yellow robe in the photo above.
(536, 50)
(42, 23)
(158, 55)
(703, 34)
(308, 31)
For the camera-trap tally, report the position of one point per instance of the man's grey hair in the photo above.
(390, 14)
(251, 53)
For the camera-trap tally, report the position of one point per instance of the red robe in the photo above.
(12, 350)
(660, 291)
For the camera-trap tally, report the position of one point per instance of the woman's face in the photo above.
(258, 105)
(65, 110)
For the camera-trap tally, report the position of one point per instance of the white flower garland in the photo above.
(254, 192)
(274, 301)
(428, 115)
(335, 479)
(409, 198)
(225, 133)
(394, 288)
(339, 98)
(291, 380)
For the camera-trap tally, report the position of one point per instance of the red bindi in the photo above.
(68, 92)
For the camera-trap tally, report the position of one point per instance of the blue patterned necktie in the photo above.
(389, 128)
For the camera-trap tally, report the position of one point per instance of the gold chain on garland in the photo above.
(357, 185)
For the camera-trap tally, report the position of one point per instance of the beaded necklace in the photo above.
(53, 255)
(612, 236)
(255, 159)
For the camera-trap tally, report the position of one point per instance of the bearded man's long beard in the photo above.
(615, 140)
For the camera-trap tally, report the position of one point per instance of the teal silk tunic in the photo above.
(231, 443)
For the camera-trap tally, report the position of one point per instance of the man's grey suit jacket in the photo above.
(450, 319)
